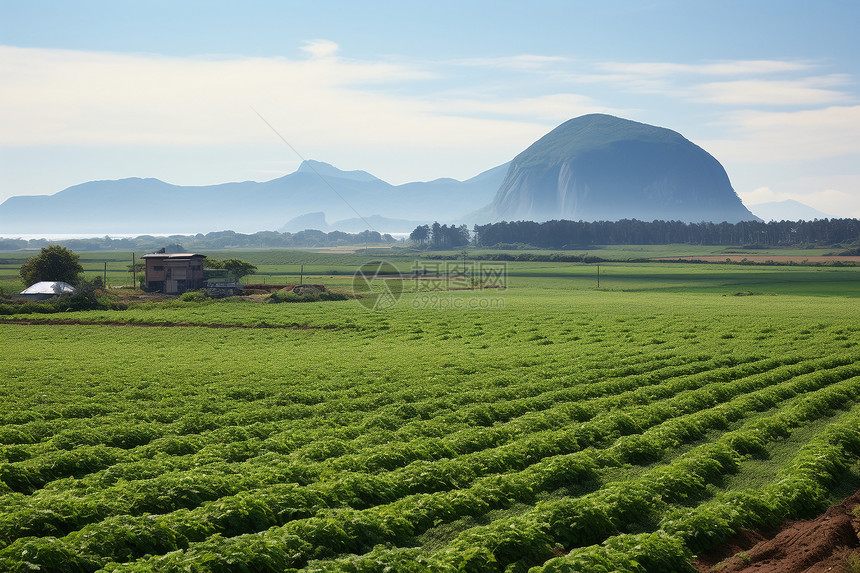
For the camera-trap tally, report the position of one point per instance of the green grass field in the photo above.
(549, 426)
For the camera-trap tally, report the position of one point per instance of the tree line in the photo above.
(214, 240)
(438, 236)
(559, 234)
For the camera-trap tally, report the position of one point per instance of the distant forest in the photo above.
(216, 240)
(549, 235)
(438, 236)
(579, 234)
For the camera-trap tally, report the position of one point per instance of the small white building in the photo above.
(47, 289)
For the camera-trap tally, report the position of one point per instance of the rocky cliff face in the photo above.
(600, 167)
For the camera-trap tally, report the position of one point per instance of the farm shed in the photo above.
(221, 283)
(47, 289)
(173, 273)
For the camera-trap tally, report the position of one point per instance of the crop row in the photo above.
(397, 521)
(45, 513)
(800, 488)
(550, 409)
(82, 423)
(577, 524)
(590, 518)
(282, 400)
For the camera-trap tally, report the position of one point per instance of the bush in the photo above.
(290, 296)
(27, 307)
(306, 293)
(193, 296)
(89, 296)
(72, 302)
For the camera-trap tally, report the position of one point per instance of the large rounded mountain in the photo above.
(603, 168)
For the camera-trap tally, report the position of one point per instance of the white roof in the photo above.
(49, 287)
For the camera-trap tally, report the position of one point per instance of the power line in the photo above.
(312, 168)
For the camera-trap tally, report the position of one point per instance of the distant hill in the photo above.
(325, 170)
(307, 221)
(594, 167)
(788, 210)
(317, 221)
(601, 167)
(153, 206)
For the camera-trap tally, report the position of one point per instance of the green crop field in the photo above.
(549, 426)
(284, 266)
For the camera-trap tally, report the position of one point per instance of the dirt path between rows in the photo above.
(825, 544)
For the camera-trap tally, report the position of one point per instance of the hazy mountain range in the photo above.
(594, 167)
(153, 206)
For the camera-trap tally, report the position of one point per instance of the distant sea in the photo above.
(67, 236)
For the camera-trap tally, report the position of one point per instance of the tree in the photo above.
(436, 235)
(54, 263)
(441, 236)
(462, 235)
(236, 267)
(420, 234)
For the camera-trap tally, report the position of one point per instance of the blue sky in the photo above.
(416, 91)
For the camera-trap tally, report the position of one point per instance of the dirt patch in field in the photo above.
(784, 259)
(827, 543)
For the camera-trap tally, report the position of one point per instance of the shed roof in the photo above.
(49, 287)
(172, 255)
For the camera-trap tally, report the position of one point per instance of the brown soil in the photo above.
(266, 287)
(765, 258)
(273, 288)
(807, 546)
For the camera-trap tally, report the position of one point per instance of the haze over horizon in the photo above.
(100, 90)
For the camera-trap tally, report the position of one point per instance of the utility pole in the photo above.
(598, 276)
(133, 273)
(302, 276)
(104, 277)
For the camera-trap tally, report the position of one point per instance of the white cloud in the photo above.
(320, 48)
(801, 92)
(554, 107)
(809, 156)
(86, 98)
(331, 108)
(727, 68)
(757, 137)
(735, 83)
(758, 196)
(61, 97)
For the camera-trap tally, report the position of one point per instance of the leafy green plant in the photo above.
(193, 296)
(239, 436)
(852, 562)
(306, 295)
